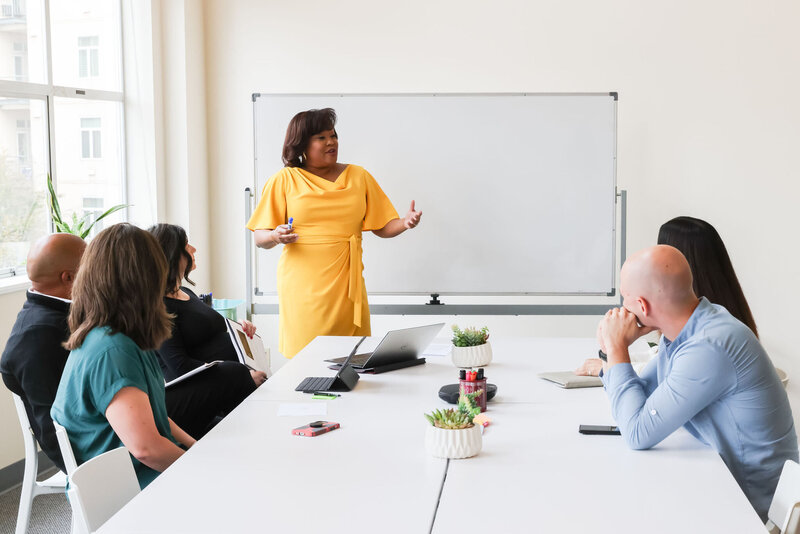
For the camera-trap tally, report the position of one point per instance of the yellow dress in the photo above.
(320, 284)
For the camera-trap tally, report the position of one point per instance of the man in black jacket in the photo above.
(34, 359)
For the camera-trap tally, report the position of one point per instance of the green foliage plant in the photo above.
(74, 225)
(470, 336)
(459, 417)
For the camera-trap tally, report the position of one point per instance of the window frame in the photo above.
(49, 92)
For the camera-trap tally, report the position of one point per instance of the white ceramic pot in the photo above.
(478, 356)
(448, 443)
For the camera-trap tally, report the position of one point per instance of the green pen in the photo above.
(323, 395)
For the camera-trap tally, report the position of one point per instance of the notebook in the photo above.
(251, 352)
(190, 373)
(569, 380)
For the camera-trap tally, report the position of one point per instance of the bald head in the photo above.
(660, 276)
(53, 263)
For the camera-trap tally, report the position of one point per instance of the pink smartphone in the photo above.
(315, 429)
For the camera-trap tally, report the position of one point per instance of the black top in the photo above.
(33, 361)
(199, 335)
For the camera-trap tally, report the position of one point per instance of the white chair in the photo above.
(31, 487)
(101, 486)
(70, 464)
(784, 511)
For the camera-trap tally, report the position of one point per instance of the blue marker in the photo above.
(291, 220)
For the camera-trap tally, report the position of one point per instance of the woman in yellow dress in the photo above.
(320, 284)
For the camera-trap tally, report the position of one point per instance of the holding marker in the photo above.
(291, 220)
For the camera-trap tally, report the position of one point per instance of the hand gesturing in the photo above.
(412, 217)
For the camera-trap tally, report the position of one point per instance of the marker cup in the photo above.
(471, 386)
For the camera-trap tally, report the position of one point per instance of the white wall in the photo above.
(709, 119)
(11, 448)
(181, 107)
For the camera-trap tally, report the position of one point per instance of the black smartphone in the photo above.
(599, 429)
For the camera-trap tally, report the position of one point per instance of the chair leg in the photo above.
(78, 525)
(26, 498)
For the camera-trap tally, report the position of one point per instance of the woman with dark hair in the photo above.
(112, 391)
(199, 335)
(320, 286)
(712, 271)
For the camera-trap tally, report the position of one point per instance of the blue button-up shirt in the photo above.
(716, 380)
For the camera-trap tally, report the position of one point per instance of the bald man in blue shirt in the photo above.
(711, 375)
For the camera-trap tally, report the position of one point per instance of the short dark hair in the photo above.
(173, 240)
(120, 285)
(301, 128)
(712, 270)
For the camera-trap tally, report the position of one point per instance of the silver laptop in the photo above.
(398, 349)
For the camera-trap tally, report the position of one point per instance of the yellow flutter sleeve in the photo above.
(271, 209)
(379, 208)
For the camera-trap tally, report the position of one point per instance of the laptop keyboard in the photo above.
(316, 383)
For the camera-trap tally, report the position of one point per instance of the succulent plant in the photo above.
(459, 417)
(470, 336)
(449, 418)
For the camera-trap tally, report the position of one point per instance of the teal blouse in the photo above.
(104, 364)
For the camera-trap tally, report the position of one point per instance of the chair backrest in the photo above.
(786, 498)
(103, 485)
(27, 431)
(70, 464)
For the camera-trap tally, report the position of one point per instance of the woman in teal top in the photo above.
(111, 393)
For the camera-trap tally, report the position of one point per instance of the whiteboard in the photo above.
(517, 191)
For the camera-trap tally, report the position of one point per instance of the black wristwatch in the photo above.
(602, 355)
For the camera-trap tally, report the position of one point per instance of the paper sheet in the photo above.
(290, 409)
(437, 349)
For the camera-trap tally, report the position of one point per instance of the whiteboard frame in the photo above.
(253, 291)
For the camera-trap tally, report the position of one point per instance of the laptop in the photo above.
(344, 380)
(398, 349)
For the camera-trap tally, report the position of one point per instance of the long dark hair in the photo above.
(301, 128)
(173, 241)
(712, 270)
(120, 285)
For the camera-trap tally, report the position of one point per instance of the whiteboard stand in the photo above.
(248, 254)
(433, 308)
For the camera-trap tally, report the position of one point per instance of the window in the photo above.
(93, 206)
(20, 61)
(88, 57)
(76, 112)
(23, 211)
(23, 141)
(90, 138)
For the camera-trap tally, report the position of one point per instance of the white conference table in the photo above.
(536, 473)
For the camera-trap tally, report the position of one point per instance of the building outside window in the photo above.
(20, 61)
(61, 114)
(90, 138)
(93, 207)
(88, 57)
(23, 141)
